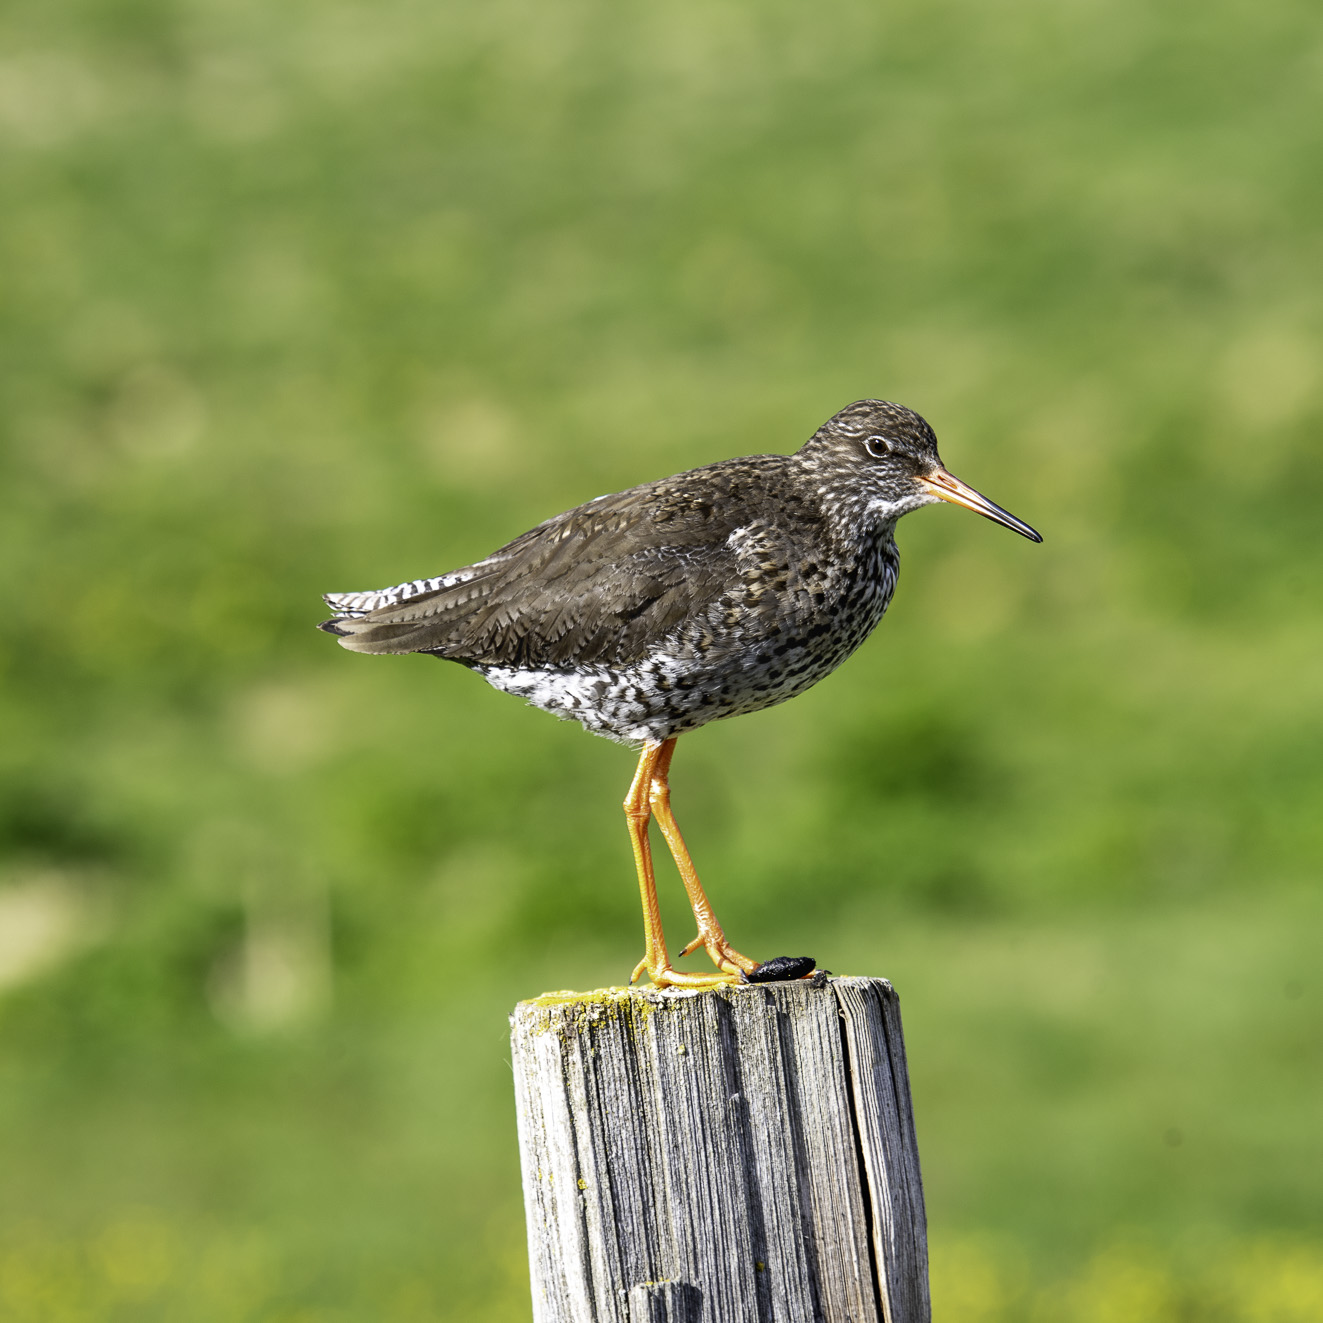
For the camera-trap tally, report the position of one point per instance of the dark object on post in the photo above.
(735, 1155)
(780, 968)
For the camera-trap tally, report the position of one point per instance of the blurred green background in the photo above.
(329, 294)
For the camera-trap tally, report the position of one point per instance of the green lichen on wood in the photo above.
(597, 997)
(584, 1010)
(568, 1012)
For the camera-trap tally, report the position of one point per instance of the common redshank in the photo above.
(649, 613)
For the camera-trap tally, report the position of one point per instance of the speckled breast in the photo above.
(723, 663)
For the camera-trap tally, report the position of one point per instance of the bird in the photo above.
(645, 614)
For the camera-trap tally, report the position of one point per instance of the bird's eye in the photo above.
(877, 446)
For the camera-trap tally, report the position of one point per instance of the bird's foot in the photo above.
(664, 975)
(724, 956)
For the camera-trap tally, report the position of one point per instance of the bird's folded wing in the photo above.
(596, 585)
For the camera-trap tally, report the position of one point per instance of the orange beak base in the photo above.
(947, 487)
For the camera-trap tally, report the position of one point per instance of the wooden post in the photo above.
(742, 1155)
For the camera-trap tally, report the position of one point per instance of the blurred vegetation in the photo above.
(330, 294)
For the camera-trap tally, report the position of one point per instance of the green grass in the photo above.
(330, 295)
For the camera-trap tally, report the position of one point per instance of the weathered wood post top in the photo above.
(738, 1155)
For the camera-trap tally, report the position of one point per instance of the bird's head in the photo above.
(881, 459)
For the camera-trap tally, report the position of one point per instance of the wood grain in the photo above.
(740, 1154)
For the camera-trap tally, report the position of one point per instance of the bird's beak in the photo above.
(947, 487)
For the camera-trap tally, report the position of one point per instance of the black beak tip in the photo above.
(1007, 520)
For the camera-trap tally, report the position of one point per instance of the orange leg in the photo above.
(637, 813)
(710, 935)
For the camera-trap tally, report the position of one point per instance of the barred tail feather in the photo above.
(359, 604)
(397, 619)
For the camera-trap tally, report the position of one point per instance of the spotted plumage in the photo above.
(719, 591)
